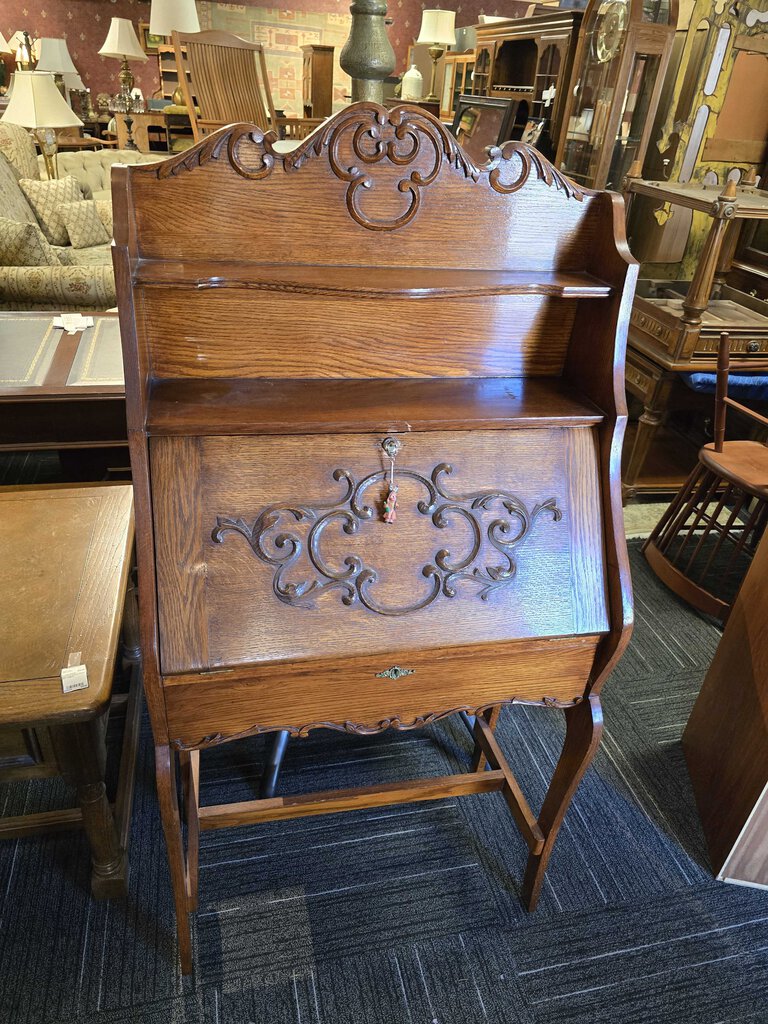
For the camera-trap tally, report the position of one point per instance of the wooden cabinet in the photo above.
(457, 79)
(317, 80)
(529, 60)
(619, 68)
(381, 493)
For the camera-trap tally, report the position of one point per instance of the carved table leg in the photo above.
(169, 813)
(654, 411)
(81, 755)
(584, 727)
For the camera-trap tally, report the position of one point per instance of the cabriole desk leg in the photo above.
(81, 755)
(583, 729)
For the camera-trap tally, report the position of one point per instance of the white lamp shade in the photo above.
(166, 16)
(438, 27)
(53, 55)
(37, 103)
(5, 46)
(73, 81)
(122, 41)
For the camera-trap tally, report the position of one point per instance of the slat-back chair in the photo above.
(702, 545)
(227, 76)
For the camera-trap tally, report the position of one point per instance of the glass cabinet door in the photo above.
(634, 116)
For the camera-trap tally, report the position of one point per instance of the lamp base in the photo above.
(435, 52)
(46, 140)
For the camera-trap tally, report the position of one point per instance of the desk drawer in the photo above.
(368, 694)
(273, 549)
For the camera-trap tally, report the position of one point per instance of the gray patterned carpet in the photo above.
(410, 915)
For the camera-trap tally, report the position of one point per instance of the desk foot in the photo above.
(584, 727)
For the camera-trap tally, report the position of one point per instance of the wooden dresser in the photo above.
(311, 338)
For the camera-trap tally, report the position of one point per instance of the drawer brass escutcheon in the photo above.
(395, 672)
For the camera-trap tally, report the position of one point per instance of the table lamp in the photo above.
(37, 104)
(54, 57)
(438, 31)
(123, 44)
(167, 16)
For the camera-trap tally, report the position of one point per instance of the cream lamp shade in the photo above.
(122, 41)
(37, 103)
(5, 46)
(53, 55)
(73, 81)
(438, 27)
(166, 16)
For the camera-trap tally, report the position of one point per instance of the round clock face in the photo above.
(611, 21)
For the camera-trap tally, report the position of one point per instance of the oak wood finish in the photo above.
(273, 339)
(66, 556)
(726, 739)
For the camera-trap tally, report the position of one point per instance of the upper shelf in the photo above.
(193, 406)
(407, 282)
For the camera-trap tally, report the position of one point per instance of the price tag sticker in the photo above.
(74, 677)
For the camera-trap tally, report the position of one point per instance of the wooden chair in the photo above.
(702, 545)
(226, 77)
(283, 363)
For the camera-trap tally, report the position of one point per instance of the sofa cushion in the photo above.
(17, 146)
(93, 256)
(25, 245)
(93, 168)
(45, 198)
(83, 224)
(104, 210)
(13, 202)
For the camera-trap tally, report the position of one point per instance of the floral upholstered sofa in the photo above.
(46, 261)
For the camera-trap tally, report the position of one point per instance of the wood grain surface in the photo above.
(216, 600)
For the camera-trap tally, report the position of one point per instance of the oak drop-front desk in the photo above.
(294, 362)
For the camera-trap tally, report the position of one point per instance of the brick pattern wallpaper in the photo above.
(84, 24)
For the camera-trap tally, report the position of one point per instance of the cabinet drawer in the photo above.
(368, 694)
(274, 548)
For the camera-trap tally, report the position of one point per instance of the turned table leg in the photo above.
(584, 727)
(700, 289)
(81, 755)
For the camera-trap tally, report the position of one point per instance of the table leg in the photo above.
(700, 289)
(654, 410)
(80, 753)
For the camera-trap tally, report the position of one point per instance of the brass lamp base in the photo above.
(435, 52)
(46, 140)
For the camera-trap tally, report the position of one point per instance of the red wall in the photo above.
(84, 24)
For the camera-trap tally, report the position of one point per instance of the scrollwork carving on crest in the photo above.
(258, 143)
(363, 729)
(287, 551)
(530, 160)
(374, 134)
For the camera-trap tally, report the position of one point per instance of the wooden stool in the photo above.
(723, 504)
(66, 563)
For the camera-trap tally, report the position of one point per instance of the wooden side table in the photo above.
(66, 562)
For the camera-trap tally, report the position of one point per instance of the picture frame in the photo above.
(149, 41)
(483, 121)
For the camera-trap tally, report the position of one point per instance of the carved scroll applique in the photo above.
(274, 542)
(371, 134)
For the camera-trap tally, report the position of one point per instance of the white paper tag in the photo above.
(74, 677)
(73, 322)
